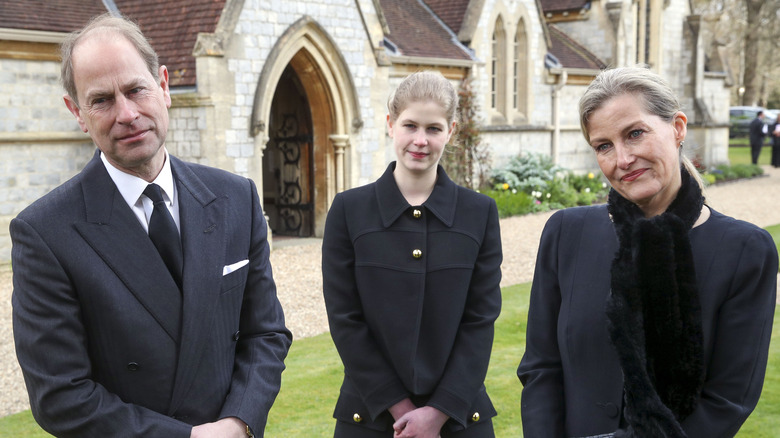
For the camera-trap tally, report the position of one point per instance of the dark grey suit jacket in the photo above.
(107, 343)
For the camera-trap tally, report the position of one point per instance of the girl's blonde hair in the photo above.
(424, 86)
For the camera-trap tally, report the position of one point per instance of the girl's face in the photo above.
(419, 135)
(638, 152)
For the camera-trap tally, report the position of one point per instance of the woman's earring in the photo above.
(681, 143)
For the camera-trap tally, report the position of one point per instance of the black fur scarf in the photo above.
(654, 314)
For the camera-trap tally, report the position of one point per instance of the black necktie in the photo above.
(164, 234)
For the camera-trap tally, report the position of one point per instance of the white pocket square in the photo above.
(234, 267)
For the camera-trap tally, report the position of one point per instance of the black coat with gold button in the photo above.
(412, 294)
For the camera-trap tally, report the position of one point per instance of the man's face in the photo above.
(120, 105)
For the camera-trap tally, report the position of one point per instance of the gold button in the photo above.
(417, 253)
(357, 417)
(416, 213)
(475, 417)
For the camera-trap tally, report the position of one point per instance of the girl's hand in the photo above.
(401, 408)
(424, 422)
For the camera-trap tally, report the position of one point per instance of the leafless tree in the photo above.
(749, 30)
(751, 74)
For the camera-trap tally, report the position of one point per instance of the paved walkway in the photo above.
(297, 270)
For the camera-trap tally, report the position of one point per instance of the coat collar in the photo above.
(392, 203)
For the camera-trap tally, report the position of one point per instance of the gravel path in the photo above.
(297, 270)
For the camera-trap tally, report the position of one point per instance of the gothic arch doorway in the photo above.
(305, 70)
(288, 186)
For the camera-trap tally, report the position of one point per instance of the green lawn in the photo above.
(774, 231)
(21, 425)
(741, 155)
(311, 382)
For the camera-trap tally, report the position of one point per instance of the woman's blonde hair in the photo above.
(424, 86)
(654, 93)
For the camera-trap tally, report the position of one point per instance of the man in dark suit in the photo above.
(114, 337)
(756, 131)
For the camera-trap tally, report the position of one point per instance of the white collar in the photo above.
(132, 187)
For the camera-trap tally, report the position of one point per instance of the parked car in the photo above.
(771, 116)
(740, 118)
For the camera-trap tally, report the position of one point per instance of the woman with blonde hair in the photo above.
(649, 316)
(411, 272)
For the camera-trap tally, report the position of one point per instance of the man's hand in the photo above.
(424, 422)
(230, 427)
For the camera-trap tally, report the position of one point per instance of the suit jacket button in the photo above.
(357, 417)
(609, 408)
(417, 253)
(475, 416)
(416, 213)
(132, 366)
(236, 335)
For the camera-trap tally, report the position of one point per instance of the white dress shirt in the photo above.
(132, 189)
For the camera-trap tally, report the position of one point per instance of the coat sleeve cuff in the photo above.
(452, 405)
(384, 397)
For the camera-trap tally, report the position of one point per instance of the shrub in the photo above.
(590, 198)
(590, 188)
(527, 172)
(531, 183)
(708, 178)
(561, 194)
(512, 204)
(742, 170)
(724, 172)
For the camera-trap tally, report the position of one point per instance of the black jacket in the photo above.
(756, 131)
(406, 323)
(573, 384)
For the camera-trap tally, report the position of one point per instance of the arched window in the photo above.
(520, 75)
(515, 72)
(498, 92)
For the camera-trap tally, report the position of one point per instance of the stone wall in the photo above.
(184, 133)
(41, 144)
(710, 142)
(676, 48)
(31, 98)
(595, 32)
(260, 26)
(575, 154)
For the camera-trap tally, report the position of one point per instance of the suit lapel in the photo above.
(201, 215)
(113, 231)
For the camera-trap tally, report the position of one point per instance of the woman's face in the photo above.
(419, 135)
(638, 152)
